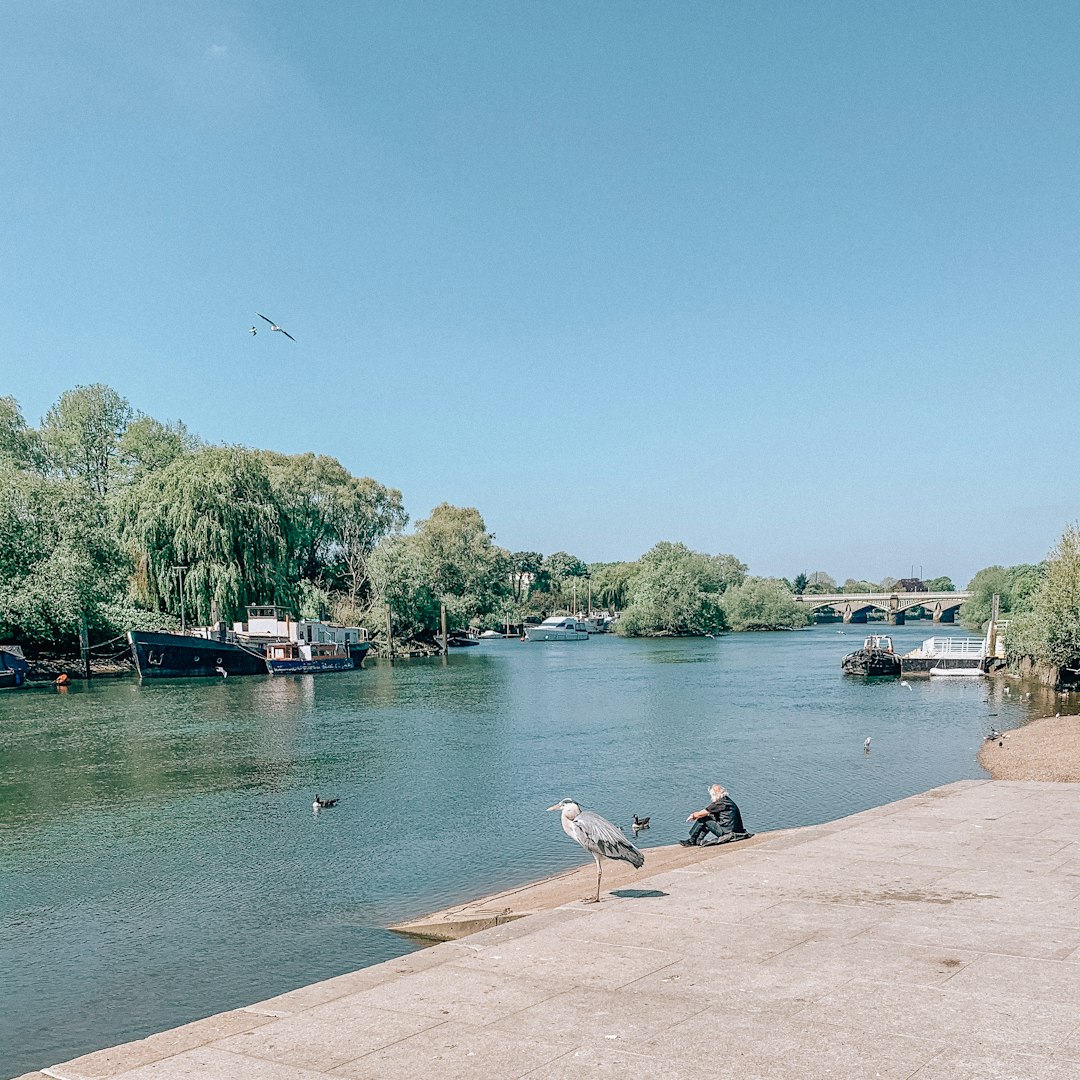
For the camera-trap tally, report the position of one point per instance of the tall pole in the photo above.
(389, 635)
(442, 623)
(179, 570)
(84, 646)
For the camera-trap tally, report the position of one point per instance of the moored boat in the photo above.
(875, 659)
(557, 628)
(313, 645)
(290, 658)
(177, 656)
(13, 667)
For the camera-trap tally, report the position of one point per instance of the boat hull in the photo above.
(183, 656)
(871, 663)
(13, 670)
(537, 633)
(311, 667)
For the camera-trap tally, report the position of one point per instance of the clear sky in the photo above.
(794, 280)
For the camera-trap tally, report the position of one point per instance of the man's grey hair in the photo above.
(717, 791)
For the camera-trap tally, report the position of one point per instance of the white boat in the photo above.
(957, 672)
(557, 628)
(490, 634)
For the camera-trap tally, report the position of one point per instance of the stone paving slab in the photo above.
(937, 938)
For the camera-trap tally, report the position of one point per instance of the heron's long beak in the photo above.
(557, 806)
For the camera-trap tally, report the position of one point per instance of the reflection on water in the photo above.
(159, 859)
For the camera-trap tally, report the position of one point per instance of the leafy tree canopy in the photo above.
(214, 512)
(764, 604)
(940, 584)
(679, 592)
(1013, 584)
(59, 560)
(820, 584)
(1049, 630)
(82, 433)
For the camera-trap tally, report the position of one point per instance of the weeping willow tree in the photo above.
(214, 512)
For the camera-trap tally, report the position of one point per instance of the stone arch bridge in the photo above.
(855, 607)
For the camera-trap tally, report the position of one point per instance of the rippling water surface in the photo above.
(159, 859)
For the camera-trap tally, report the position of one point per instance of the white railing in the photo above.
(973, 648)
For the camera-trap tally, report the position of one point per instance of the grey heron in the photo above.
(598, 837)
(274, 326)
(322, 804)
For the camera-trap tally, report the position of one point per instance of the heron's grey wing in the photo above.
(287, 334)
(262, 316)
(606, 839)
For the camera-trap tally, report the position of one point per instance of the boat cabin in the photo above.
(291, 650)
(879, 641)
(277, 623)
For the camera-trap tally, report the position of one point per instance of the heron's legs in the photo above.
(595, 899)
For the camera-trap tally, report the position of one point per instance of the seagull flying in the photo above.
(253, 331)
(274, 326)
(907, 684)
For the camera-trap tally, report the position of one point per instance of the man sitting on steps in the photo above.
(721, 819)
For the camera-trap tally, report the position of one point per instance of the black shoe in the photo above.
(687, 843)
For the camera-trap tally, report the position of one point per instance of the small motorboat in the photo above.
(557, 628)
(876, 659)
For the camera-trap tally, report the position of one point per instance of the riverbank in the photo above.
(928, 939)
(620, 879)
(1046, 749)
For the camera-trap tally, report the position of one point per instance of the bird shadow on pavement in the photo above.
(637, 894)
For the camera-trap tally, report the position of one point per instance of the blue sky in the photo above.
(796, 281)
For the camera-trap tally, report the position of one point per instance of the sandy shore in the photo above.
(1046, 749)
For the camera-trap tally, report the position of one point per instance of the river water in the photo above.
(160, 860)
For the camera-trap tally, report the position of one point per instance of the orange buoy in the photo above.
(62, 679)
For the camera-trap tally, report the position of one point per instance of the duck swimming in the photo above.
(323, 804)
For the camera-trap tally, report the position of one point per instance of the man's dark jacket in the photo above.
(726, 815)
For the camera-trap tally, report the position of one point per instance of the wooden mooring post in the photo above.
(84, 646)
(389, 635)
(442, 623)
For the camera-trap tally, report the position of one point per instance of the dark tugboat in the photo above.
(875, 659)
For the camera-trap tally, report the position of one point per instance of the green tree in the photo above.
(525, 569)
(820, 584)
(1049, 631)
(451, 559)
(1015, 586)
(82, 432)
(213, 511)
(19, 444)
(679, 592)
(611, 582)
(799, 584)
(148, 444)
(851, 586)
(59, 559)
(764, 604)
(365, 512)
(940, 584)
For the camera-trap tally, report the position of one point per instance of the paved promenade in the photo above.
(936, 938)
